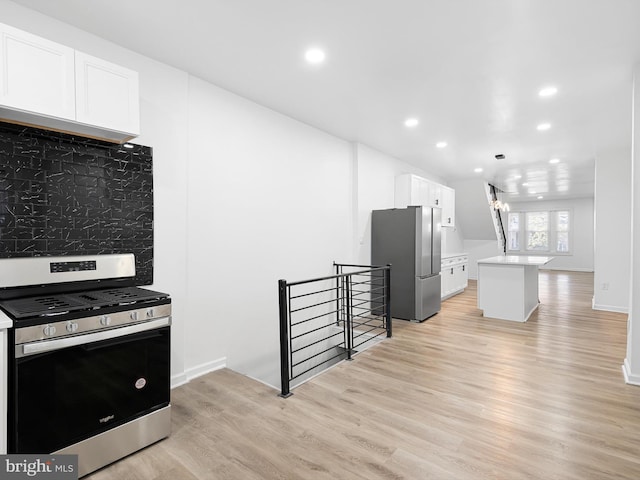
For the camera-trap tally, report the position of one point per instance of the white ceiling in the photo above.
(469, 70)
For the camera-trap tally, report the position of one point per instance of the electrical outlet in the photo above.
(605, 286)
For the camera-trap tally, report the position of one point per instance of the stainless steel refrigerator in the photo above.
(409, 240)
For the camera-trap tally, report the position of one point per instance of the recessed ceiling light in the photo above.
(477, 170)
(554, 160)
(532, 192)
(441, 144)
(548, 91)
(525, 184)
(544, 126)
(517, 177)
(314, 55)
(411, 122)
(540, 197)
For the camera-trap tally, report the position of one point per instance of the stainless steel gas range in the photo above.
(89, 358)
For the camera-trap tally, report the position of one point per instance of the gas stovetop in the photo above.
(41, 290)
(59, 304)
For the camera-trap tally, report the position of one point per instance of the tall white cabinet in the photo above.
(48, 85)
(415, 190)
(448, 196)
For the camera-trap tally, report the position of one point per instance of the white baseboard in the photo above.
(589, 270)
(178, 380)
(264, 383)
(194, 372)
(609, 308)
(629, 377)
(452, 294)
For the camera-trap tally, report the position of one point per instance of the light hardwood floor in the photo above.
(456, 397)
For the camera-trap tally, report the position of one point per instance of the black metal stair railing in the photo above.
(503, 235)
(326, 320)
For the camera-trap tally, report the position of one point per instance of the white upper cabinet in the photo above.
(106, 94)
(37, 75)
(448, 206)
(414, 190)
(48, 85)
(407, 191)
(435, 194)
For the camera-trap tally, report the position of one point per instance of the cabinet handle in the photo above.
(452, 271)
(437, 201)
(449, 220)
(463, 267)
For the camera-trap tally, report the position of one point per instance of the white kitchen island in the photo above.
(508, 286)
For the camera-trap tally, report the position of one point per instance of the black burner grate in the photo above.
(52, 303)
(49, 305)
(89, 300)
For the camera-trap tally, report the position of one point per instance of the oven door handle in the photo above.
(52, 345)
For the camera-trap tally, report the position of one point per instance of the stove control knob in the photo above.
(49, 330)
(72, 327)
(150, 313)
(105, 320)
(133, 315)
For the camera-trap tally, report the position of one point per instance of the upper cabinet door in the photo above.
(36, 74)
(435, 195)
(107, 95)
(411, 189)
(448, 206)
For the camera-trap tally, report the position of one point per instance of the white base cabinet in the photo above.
(455, 275)
(508, 286)
(48, 85)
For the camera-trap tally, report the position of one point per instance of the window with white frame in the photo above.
(513, 236)
(539, 231)
(562, 231)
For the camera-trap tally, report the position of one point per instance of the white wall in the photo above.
(631, 366)
(612, 231)
(269, 198)
(582, 231)
(452, 240)
(472, 210)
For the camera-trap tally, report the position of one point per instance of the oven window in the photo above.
(69, 395)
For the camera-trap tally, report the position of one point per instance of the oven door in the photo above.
(70, 389)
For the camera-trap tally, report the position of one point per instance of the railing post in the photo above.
(284, 339)
(343, 313)
(387, 296)
(347, 317)
(337, 272)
